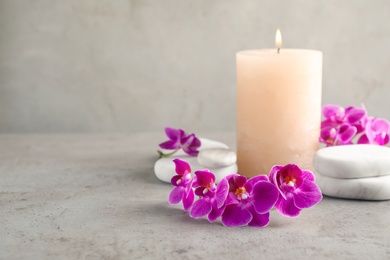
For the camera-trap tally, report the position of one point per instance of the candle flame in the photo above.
(278, 39)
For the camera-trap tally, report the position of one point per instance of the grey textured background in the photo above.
(129, 66)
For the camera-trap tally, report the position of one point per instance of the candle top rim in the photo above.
(274, 52)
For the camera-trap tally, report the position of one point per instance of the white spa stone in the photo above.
(217, 157)
(164, 168)
(353, 161)
(372, 188)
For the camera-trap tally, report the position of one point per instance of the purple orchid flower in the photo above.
(212, 198)
(297, 189)
(341, 125)
(337, 115)
(183, 185)
(338, 135)
(178, 139)
(376, 132)
(249, 202)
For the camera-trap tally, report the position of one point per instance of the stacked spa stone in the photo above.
(354, 171)
(214, 156)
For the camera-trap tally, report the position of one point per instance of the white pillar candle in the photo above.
(278, 108)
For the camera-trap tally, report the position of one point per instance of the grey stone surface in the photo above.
(96, 197)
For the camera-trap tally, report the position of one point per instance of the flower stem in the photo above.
(165, 155)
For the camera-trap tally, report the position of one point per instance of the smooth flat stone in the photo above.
(164, 168)
(372, 188)
(217, 157)
(353, 161)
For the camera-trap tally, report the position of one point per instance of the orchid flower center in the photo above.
(329, 140)
(290, 181)
(208, 187)
(332, 132)
(241, 193)
(332, 135)
(383, 135)
(184, 178)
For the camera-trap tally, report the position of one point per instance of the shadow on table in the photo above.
(176, 213)
(144, 172)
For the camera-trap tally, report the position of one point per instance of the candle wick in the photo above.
(278, 50)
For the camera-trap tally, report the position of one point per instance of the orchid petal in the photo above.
(273, 173)
(205, 178)
(221, 193)
(347, 132)
(187, 140)
(196, 142)
(308, 175)
(252, 181)
(286, 207)
(329, 124)
(200, 208)
(258, 220)
(190, 151)
(354, 114)
(200, 191)
(380, 125)
(307, 195)
(359, 128)
(170, 145)
(248, 187)
(216, 212)
(363, 139)
(175, 179)
(333, 112)
(382, 140)
(182, 167)
(228, 177)
(174, 134)
(194, 182)
(265, 195)
(231, 199)
(190, 144)
(236, 216)
(370, 133)
(176, 195)
(188, 199)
